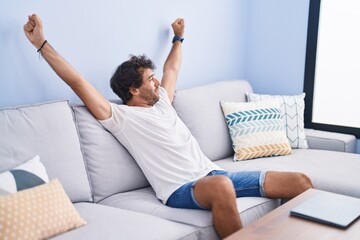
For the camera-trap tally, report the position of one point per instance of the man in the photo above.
(148, 126)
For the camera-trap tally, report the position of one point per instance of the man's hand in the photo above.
(178, 27)
(34, 30)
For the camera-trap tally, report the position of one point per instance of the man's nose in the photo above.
(157, 82)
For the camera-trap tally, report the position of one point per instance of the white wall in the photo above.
(96, 36)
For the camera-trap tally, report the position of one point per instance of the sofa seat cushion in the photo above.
(329, 170)
(144, 200)
(105, 222)
(47, 130)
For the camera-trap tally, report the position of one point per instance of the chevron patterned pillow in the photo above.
(256, 129)
(27, 175)
(292, 111)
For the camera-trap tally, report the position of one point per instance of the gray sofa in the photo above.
(111, 193)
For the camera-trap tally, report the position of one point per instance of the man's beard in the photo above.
(151, 97)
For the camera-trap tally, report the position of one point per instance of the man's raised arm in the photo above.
(173, 61)
(92, 99)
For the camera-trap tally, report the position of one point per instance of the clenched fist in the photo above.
(178, 27)
(34, 30)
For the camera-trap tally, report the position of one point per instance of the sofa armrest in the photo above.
(330, 141)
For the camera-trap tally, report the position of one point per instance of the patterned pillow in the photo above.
(292, 110)
(27, 175)
(3, 192)
(256, 129)
(37, 213)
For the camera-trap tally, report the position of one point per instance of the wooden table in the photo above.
(279, 225)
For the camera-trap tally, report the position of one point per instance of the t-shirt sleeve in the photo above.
(163, 95)
(115, 122)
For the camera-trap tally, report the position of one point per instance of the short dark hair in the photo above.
(129, 74)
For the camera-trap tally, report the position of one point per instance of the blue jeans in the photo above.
(246, 184)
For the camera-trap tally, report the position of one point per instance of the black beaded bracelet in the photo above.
(41, 46)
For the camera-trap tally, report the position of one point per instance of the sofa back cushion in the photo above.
(199, 108)
(47, 130)
(110, 166)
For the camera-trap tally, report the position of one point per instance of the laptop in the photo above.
(329, 208)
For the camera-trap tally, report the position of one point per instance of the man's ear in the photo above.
(134, 91)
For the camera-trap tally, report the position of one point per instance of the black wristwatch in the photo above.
(177, 38)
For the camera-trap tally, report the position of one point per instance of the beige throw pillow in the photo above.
(37, 213)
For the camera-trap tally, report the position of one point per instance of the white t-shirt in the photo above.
(160, 143)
